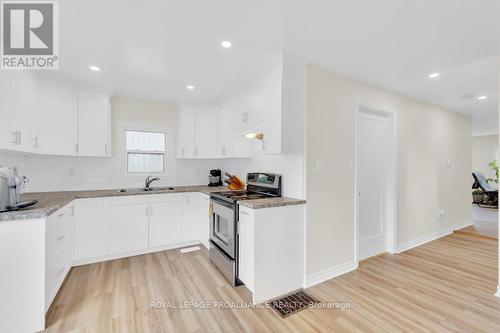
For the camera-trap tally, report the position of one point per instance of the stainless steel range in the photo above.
(224, 220)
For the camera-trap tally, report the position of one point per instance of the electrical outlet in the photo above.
(440, 214)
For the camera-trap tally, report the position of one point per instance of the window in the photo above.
(146, 151)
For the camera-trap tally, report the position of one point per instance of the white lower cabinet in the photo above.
(127, 227)
(246, 247)
(190, 223)
(113, 227)
(271, 250)
(90, 229)
(58, 251)
(165, 221)
(40, 252)
(204, 213)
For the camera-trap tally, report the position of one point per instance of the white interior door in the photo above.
(373, 147)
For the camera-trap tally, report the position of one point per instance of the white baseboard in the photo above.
(330, 273)
(498, 291)
(87, 261)
(430, 237)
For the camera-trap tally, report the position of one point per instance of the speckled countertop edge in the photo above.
(50, 202)
(271, 202)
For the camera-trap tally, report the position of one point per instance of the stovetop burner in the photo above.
(240, 195)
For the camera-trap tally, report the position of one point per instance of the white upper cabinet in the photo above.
(59, 124)
(186, 137)
(40, 116)
(93, 128)
(5, 135)
(198, 132)
(23, 103)
(206, 134)
(273, 105)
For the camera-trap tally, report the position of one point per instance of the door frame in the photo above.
(391, 181)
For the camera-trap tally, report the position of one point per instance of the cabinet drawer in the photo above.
(57, 266)
(57, 233)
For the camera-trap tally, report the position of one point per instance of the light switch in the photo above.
(320, 165)
(449, 163)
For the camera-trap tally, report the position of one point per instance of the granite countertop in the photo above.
(50, 202)
(271, 202)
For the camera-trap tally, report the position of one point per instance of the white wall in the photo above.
(484, 150)
(427, 137)
(498, 275)
(291, 167)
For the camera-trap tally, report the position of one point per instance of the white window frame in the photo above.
(165, 152)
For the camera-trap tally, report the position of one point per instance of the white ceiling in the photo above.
(153, 49)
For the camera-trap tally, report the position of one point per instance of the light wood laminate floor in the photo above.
(443, 286)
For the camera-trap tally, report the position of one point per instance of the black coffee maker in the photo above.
(215, 178)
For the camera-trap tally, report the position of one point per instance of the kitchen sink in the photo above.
(151, 189)
(160, 189)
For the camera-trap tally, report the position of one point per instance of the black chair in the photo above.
(481, 182)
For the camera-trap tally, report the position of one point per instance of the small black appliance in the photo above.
(215, 178)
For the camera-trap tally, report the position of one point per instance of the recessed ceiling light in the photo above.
(482, 98)
(95, 68)
(434, 76)
(190, 87)
(226, 44)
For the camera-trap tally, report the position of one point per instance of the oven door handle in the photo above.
(219, 202)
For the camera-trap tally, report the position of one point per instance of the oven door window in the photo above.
(222, 229)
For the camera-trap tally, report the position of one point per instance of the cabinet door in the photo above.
(206, 134)
(93, 128)
(204, 219)
(246, 248)
(256, 105)
(165, 223)
(225, 129)
(127, 227)
(190, 223)
(59, 127)
(186, 129)
(5, 131)
(90, 229)
(35, 121)
(23, 105)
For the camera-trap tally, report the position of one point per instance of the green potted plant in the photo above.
(477, 196)
(494, 166)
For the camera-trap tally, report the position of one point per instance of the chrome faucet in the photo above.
(148, 182)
